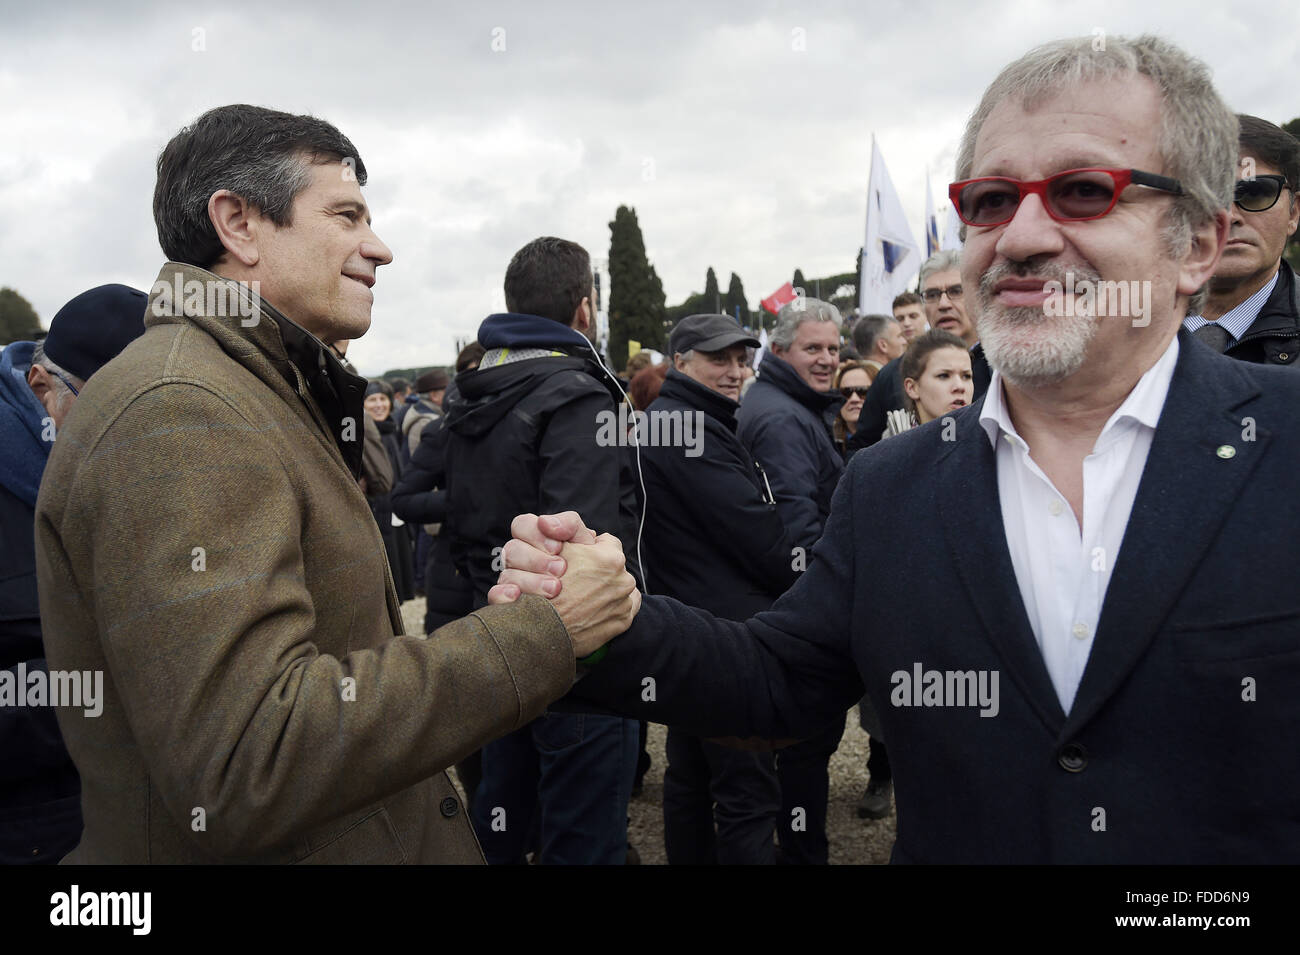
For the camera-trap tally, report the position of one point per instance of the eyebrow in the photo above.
(354, 205)
(1065, 165)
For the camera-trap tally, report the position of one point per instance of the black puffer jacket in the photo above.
(531, 436)
(713, 538)
(786, 426)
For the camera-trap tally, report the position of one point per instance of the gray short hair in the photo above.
(1197, 135)
(867, 330)
(57, 373)
(946, 260)
(796, 313)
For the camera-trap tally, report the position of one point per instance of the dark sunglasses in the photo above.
(1260, 193)
(849, 391)
(1075, 195)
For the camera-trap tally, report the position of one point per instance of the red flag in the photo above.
(782, 296)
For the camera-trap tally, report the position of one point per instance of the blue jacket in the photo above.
(786, 426)
(1184, 730)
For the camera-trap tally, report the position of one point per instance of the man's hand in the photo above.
(598, 599)
(532, 559)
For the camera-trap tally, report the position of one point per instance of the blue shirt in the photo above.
(1239, 318)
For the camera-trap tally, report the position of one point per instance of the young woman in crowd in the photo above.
(936, 373)
(852, 379)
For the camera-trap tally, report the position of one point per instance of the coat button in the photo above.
(1283, 356)
(449, 807)
(1073, 758)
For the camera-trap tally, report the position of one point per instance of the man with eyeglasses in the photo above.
(1253, 312)
(944, 299)
(40, 792)
(1108, 584)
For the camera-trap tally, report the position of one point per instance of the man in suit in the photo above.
(1253, 312)
(1049, 686)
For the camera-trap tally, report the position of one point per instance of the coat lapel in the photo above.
(1187, 492)
(972, 520)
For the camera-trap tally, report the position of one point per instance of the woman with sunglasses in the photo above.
(852, 379)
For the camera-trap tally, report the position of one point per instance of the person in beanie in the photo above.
(397, 542)
(738, 562)
(40, 793)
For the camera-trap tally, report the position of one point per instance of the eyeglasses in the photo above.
(1075, 195)
(71, 386)
(1260, 193)
(934, 294)
(850, 390)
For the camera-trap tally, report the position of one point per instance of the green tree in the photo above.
(636, 296)
(18, 320)
(712, 294)
(736, 303)
(801, 282)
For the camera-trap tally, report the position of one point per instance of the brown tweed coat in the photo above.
(201, 541)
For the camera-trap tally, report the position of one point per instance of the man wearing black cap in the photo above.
(713, 539)
(40, 794)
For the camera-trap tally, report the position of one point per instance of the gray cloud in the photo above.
(759, 151)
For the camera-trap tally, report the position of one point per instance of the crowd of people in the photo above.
(1044, 505)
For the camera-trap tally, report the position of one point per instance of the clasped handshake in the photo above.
(584, 576)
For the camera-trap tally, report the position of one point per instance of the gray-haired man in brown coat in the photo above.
(202, 541)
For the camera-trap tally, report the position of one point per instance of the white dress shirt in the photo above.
(1063, 571)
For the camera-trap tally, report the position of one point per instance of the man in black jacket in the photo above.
(525, 434)
(785, 422)
(713, 539)
(1253, 312)
(40, 792)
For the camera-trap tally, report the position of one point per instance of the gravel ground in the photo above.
(853, 841)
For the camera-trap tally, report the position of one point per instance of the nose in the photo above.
(373, 248)
(1030, 232)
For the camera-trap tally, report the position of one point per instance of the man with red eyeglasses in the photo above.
(1254, 308)
(1109, 572)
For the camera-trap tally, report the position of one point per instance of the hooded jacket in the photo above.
(527, 436)
(787, 427)
(203, 543)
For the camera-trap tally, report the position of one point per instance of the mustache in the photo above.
(1047, 271)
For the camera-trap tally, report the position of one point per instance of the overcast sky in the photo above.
(740, 132)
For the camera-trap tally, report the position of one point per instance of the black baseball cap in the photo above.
(708, 333)
(94, 327)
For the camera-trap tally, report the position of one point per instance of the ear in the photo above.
(1294, 221)
(238, 225)
(679, 363)
(582, 315)
(1202, 258)
(911, 390)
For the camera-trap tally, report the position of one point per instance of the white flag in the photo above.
(931, 221)
(762, 348)
(952, 230)
(890, 256)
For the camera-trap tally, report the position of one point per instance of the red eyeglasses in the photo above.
(1075, 195)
